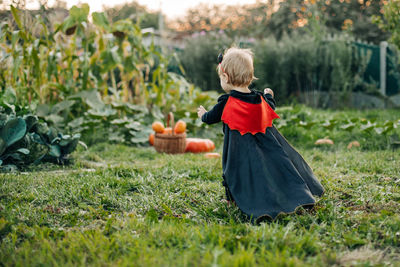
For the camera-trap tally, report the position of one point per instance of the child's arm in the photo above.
(215, 114)
(269, 97)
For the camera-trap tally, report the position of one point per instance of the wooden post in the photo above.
(382, 66)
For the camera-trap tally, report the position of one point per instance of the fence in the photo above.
(383, 68)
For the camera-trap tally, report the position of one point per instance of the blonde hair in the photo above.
(237, 63)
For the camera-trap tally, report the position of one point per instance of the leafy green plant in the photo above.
(24, 140)
(199, 58)
(304, 126)
(390, 21)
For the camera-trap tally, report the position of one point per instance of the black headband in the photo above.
(220, 57)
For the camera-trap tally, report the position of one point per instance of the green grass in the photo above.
(118, 205)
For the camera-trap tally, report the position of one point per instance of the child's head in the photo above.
(236, 68)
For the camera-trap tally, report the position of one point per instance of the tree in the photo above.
(274, 17)
(233, 19)
(391, 21)
(355, 17)
(135, 12)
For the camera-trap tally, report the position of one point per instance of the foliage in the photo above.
(351, 16)
(25, 140)
(390, 21)
(373, 129)
(199, 58)
(137, 13)
(121, 122)
(93, 77)
(246, 20)
(294, 64)
(277, 18)
(168, 210)
(302, 63)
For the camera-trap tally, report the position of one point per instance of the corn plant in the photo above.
(92, 77)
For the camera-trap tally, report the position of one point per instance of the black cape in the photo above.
(262, 172)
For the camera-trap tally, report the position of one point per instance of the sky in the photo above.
(171, 8)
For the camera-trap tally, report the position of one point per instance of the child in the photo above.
(263, 174)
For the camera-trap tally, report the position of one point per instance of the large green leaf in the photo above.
(37, 139)
(134, 125)
(23, 151)
(108, 62)
(81, 13)
(55, 119)
(43, 110)
(55, 151)
(77, 15)
(137, 108)
(104, 112)
(63, 105)
(101, 20)
(90, 97)
(15, 14)
(307, 125)
(120, 121)
(42, 128)
(3, 119)
(348, 127)
(13, 131)
(124, 25)
(76, 122)
(52, 134)
(30, 121)
(368, 127)
(68, 144)
(9, 96)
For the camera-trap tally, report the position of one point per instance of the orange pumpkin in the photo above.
(210, 145)
(180, 127)
(151, 139)
(198, 145)
(167, 130)
(158, 127)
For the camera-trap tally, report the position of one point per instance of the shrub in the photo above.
(300, 63)
(294, 64)
(199, 58)
(25, 140)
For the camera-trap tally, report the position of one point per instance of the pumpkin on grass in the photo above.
(151, 139)
(198, 145)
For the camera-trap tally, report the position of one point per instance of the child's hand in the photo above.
(200, 111)
(269, 91)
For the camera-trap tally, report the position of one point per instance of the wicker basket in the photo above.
(170, 143)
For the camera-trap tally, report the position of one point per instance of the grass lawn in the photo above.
(118, 205)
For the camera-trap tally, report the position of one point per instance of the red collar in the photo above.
(247, 117)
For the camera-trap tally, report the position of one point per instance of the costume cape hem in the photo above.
(283, 212)
(261, 217)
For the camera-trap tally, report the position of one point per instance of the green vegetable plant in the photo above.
(299, 124)
(25, 140)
